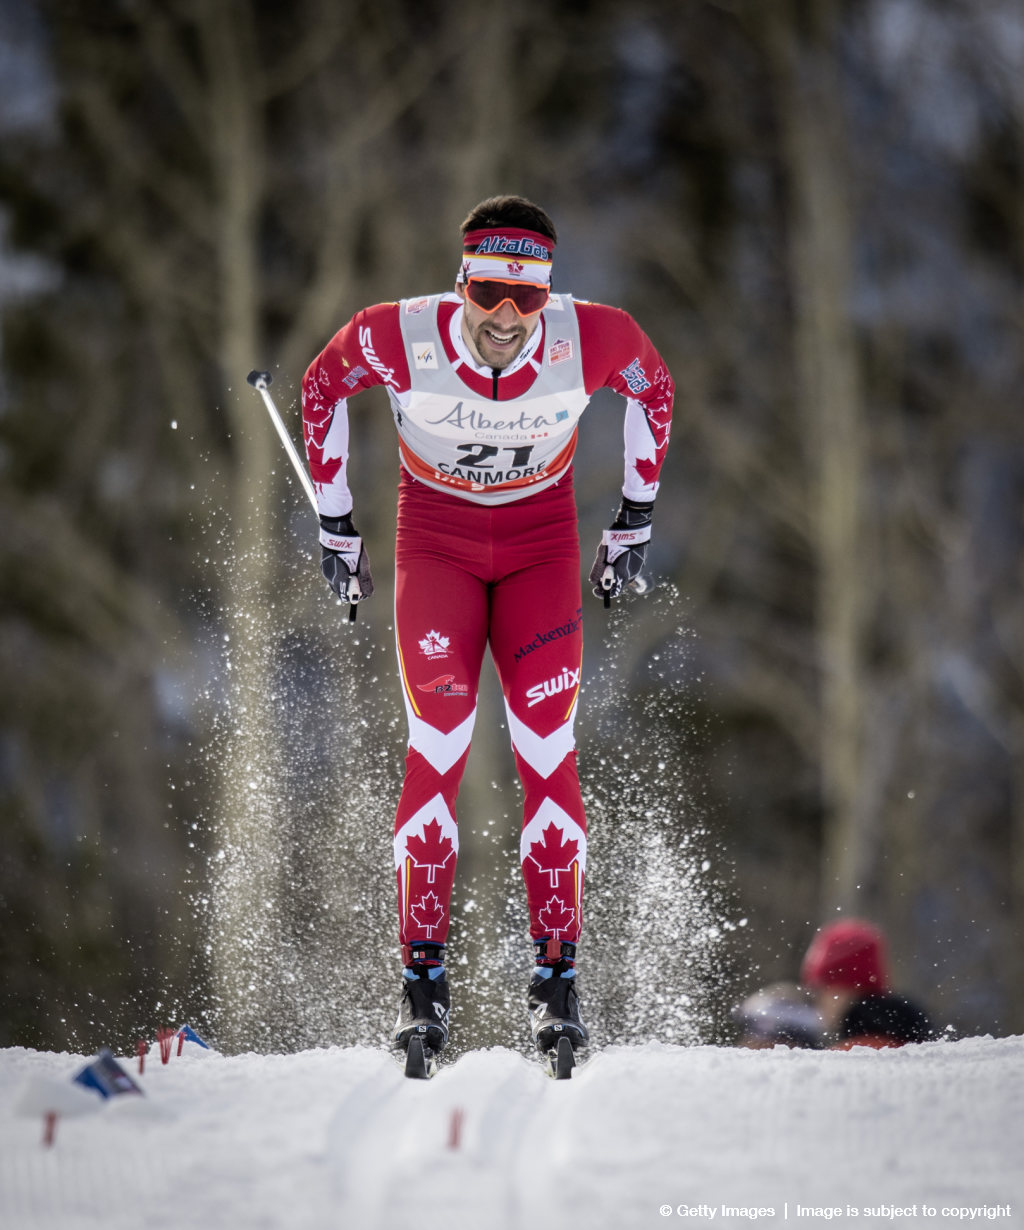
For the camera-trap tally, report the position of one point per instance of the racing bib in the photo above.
(487, 451)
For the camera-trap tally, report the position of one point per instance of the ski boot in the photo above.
(422, 1026)
(554, 1007)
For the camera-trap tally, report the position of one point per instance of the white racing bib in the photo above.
(488, 451)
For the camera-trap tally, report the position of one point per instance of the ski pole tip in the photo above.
(259, 379)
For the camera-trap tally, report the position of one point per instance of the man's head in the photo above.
(514, 211)
(508, 246)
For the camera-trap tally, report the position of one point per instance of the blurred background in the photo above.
(815, 208)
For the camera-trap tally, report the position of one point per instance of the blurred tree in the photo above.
(802, 49)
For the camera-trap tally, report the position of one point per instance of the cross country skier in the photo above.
(487, 386)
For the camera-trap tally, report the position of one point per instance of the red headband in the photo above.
(506, 252)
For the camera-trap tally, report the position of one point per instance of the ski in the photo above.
(560, 1060)
(420, 1060)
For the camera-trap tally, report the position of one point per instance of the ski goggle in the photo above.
(488, 294)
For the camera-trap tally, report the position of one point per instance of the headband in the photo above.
(507, 253)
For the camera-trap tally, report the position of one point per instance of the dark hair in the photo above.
(510, 211)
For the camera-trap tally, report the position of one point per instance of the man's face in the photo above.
(495, 338)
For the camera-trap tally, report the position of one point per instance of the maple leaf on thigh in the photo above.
(432, 851)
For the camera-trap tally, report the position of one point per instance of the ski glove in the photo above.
(622, 554)
(343, 561)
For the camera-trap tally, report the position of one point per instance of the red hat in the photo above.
(849, 953)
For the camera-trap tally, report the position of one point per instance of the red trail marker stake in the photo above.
(455, 1127)
(164, 1037)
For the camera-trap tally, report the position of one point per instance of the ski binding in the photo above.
(420, 1060)
(560, 1059)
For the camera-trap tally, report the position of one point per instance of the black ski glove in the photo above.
(344, 562)
(622, 554)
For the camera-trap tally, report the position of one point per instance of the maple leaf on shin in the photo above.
(427, 913)
(557, 917)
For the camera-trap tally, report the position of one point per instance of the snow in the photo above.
(641, 1136)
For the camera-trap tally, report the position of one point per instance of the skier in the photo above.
(487, 385)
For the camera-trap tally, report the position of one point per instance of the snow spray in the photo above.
(307, 744)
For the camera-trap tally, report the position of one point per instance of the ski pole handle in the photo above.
(607, 585)
(261, 381)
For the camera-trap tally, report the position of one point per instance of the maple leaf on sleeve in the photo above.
(647, 469)
(322, 471)
(317, 418)
(659, 419)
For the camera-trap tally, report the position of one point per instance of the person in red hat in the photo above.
(847, 967)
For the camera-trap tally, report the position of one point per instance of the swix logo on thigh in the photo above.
(564, 682)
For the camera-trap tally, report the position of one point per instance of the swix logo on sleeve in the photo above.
(635, 377)
(387, 374)
(564, 682)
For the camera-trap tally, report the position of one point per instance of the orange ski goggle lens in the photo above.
(489, 294)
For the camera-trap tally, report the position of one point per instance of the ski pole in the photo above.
(260, 381)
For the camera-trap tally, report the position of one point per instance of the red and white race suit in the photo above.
(487, 553)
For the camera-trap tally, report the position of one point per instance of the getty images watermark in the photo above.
(817, 1212)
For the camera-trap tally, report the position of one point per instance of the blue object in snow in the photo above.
(188, 1034)
(106, 1076)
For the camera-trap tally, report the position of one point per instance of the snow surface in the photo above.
(652, 1135)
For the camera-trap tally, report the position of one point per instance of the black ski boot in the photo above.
(423, 1012)
(553, 1001)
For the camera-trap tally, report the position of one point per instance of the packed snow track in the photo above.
(646, 1136)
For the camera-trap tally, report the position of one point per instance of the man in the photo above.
(487, 386)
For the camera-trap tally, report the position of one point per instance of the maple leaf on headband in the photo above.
(431, 851)
(553, 854)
